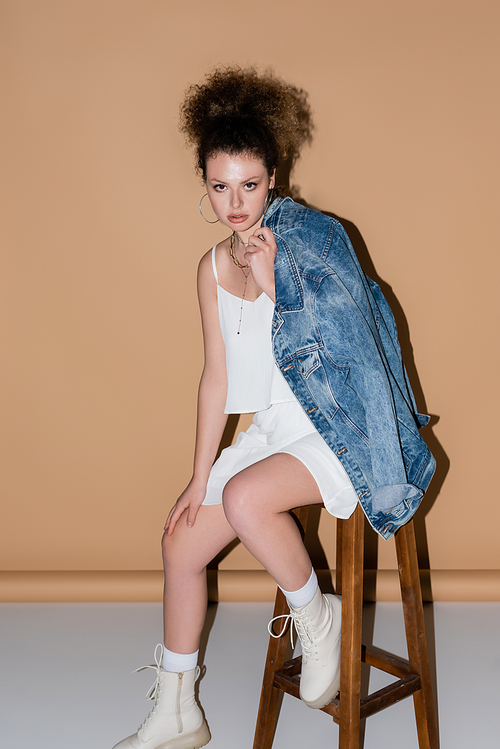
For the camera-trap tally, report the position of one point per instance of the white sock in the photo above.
(303, 596)
(179, 662)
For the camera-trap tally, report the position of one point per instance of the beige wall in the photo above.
(101, 237)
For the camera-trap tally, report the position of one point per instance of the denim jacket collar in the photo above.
(286, 273)
(272, 210)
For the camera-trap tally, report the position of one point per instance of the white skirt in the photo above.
(285, 428)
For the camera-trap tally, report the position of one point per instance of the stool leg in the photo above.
(276, 654)
(268, 707)
(418, 656)
(338, 560)
(352, 612)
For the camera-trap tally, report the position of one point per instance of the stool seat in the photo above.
(413, 675)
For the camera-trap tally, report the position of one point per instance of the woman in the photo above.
(266, 295)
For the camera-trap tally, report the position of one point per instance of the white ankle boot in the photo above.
(318, 626)
(175, 721)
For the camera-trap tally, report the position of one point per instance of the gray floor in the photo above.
(66, 680)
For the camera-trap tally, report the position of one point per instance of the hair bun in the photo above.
(239, 110)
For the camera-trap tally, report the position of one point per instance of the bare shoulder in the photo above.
(207, 285)
(207, 297)
(205, 266)
(205, 262)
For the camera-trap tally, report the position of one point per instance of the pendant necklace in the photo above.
(242, 268)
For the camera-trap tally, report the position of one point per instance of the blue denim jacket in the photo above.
(335, 341)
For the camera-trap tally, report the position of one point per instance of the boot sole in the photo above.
(194, 740)
(325, 698)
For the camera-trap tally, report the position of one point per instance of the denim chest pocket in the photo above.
(313, 374)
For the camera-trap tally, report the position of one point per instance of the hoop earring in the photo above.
(203, 217)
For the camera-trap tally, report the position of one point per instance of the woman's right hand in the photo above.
(191, 500)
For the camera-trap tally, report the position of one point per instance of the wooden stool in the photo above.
(413, 674)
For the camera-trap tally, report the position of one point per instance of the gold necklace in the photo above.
(233, 256)
(242, 268)
(242, 300)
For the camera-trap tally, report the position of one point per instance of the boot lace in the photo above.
(154, 692)
(304, 628)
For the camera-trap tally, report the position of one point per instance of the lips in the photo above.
(237, 218)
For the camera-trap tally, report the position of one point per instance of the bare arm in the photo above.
(212, 394)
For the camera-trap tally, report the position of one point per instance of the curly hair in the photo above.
(237, 110)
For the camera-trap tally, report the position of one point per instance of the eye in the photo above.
(250, 186)
(219, 188)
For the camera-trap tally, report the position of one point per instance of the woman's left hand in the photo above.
(260, 254)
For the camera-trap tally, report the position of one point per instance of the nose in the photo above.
(236, 199)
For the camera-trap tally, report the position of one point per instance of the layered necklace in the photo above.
(242, 268)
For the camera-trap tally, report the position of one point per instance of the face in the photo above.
(237, 186)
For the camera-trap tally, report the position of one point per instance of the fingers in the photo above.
(265, 234)
(192, 513)
(261, 237)
(260, 243)
(176, 512)
(173, 517)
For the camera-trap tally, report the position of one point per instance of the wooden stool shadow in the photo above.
(412, 675)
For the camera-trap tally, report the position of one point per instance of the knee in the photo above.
(180, 556)
(236, 500)
(171, 551)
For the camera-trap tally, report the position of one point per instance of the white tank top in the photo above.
(254, 382)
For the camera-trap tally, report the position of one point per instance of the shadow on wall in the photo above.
(442, 460)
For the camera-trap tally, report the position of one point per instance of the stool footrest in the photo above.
(370, 655)
(288, 680)
(385, 661)
(389, 695)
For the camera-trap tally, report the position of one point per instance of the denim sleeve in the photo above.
(364, 395)
(373, 306)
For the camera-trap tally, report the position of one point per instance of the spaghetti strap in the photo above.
(213, 264)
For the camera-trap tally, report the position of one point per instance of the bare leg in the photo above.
(256, 502)
(255, 508)
(186, 554)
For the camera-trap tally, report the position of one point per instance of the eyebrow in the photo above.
(243, 182)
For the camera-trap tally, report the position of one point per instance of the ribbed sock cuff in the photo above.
(303, 596)
(179, 662)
